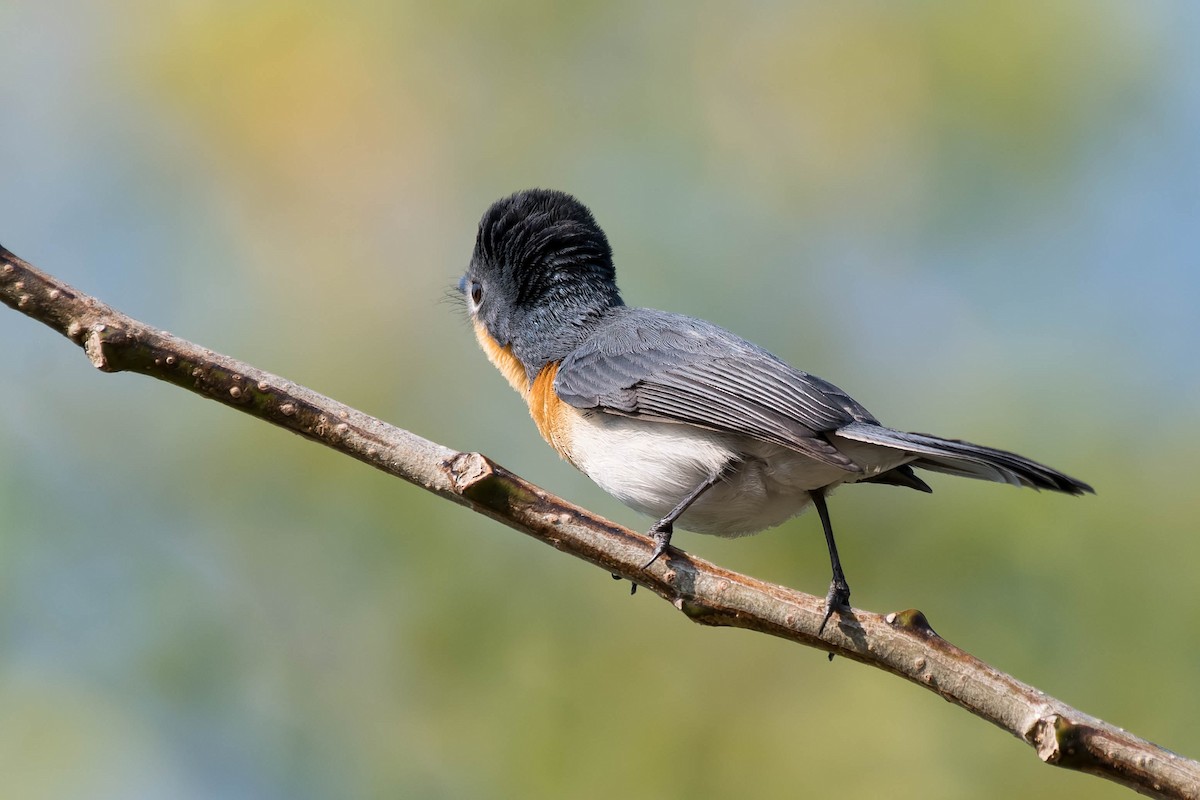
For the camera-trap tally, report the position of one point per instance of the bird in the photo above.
(676, 417)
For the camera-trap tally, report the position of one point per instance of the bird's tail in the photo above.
(955, 457)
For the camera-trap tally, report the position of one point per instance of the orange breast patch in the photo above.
(552, 415)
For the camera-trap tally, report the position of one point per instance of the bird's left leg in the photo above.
(661, 531)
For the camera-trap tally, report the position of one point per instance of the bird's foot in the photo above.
(632, 585)
(660, 534)
(837, 599)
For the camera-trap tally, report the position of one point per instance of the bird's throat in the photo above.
(504, 360)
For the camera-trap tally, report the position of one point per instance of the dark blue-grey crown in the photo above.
(541, 242)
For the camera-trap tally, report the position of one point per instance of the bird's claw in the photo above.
(661, 536)
(837, 599)
(632, 585)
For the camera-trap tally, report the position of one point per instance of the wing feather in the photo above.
(672, 368)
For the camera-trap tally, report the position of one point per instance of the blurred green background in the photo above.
(981, 219)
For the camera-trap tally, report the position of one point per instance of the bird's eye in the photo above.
(476, 293)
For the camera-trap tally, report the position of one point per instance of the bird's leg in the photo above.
(661, 531)
(839, 590)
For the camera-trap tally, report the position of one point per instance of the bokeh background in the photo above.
(981, 219)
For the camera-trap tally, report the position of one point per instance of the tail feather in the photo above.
(902, 475)
(955, 457)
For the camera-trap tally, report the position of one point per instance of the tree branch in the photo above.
(902, 642)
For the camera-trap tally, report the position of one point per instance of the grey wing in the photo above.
(672, 368)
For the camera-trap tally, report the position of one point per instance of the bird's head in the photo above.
(540, 277)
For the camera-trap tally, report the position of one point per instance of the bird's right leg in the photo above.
(839, 590)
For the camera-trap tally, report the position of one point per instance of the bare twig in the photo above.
(902, 643)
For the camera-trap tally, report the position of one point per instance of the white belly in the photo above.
(651, 466)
